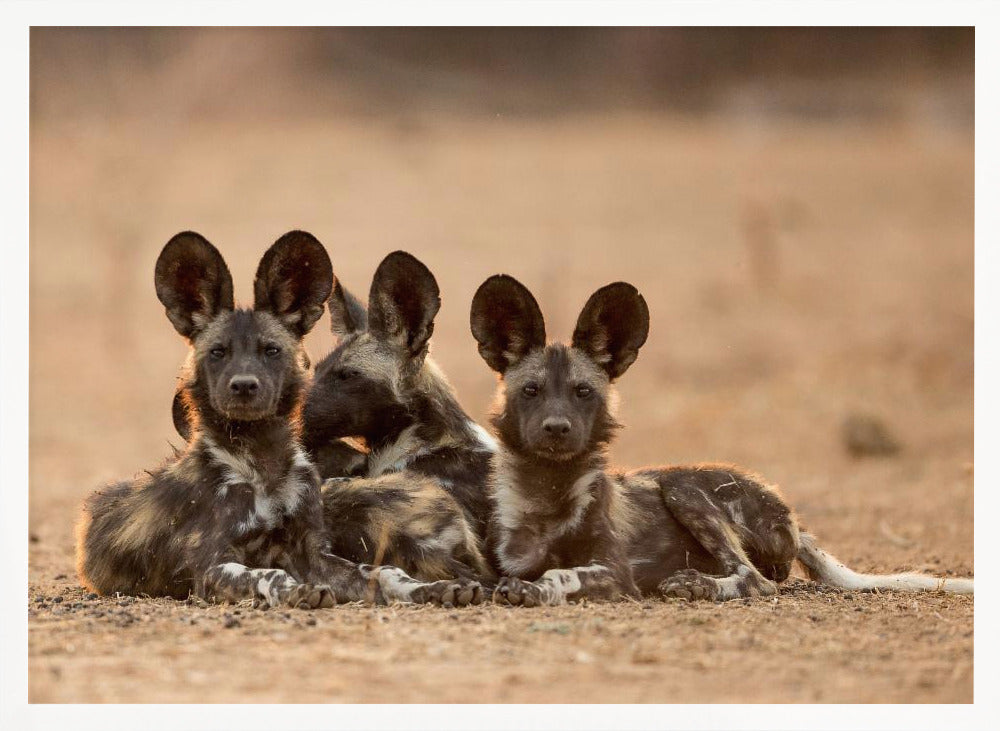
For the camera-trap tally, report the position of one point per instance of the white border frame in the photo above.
(16, 18)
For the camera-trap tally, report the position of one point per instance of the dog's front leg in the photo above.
(558, 586)
(386, 584)
(397, 586)
(234, 582)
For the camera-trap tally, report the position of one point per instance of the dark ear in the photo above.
(193, 282)
(403, 301)
(293, 281)
(182, 419)
(506, 322)
(612, 327)
(347, 314)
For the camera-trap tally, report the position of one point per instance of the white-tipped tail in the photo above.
(826, 569)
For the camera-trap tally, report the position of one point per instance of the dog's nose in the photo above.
(244, 385)
(557, 426)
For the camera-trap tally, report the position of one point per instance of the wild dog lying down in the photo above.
(422, 502)
(418, 496)
(564, 527)
(237, 515)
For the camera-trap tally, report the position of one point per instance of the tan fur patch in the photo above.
(625, 516)
(145, 519)
(418, 520)
(375, 360)
(82, 529)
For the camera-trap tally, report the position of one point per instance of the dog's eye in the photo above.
(217, 353)
(530, 390)
(346, 374)
(583, 391)
(272, 350)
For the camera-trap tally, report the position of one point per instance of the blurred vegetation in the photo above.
(812, 72)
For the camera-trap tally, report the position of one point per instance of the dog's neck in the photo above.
(272, 442)
(432, 420)
(548, 485)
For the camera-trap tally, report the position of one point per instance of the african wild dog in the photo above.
(417, 497)
(420, 502)
(565, 527)
(237, 515)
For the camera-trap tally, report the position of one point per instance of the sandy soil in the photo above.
(795, 275)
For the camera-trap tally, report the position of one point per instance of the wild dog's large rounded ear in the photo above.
(347, 314)
(181, 415)
(506, 322)
(293, 281)
(193, 282)
(612, 327)
(403, 302)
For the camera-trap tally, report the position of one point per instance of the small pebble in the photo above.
(57, 599)
(230, 621)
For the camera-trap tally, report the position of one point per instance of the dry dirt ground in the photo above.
(795, 275)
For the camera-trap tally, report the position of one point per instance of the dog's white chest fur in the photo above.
(273, 499)
(518, 513)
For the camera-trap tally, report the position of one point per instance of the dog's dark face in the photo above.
(245, 362)
(554, 401)
(245, 365)
(363, 388)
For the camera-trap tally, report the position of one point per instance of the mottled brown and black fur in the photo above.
(418, 497)
(563, 526)
(238, 514)
(380, 412)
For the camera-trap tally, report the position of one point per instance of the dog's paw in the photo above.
(754, 584)
(516, 593)
(691, 585)
(311, 596)
(449, 593)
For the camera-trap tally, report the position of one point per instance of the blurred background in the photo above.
(796, 205)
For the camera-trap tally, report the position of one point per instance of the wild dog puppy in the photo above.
(422, 503)
(564, 527)
(237, 515)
